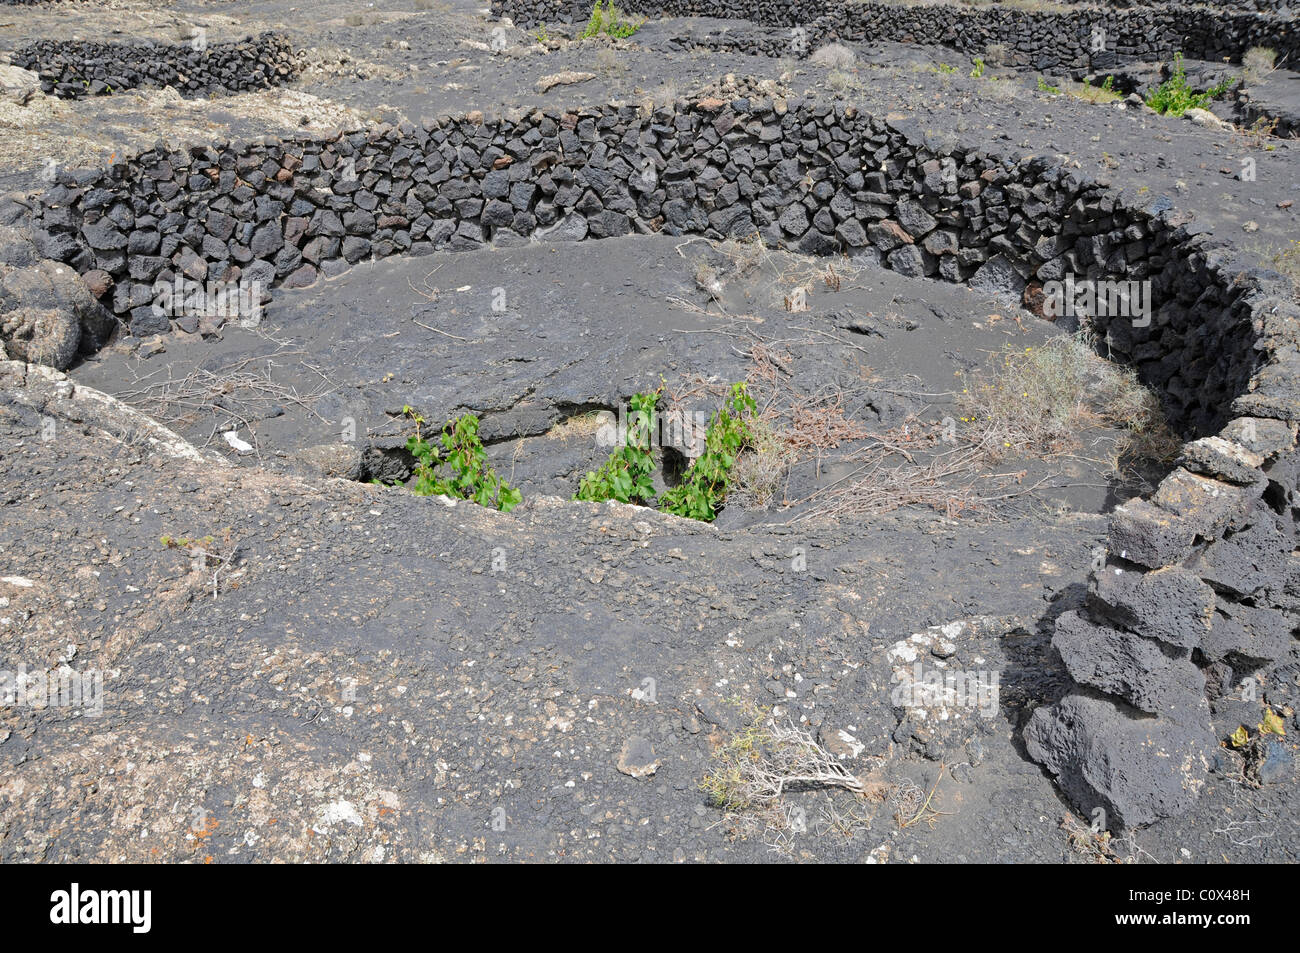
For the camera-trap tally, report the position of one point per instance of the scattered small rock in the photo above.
(637, 758)
(565, 78)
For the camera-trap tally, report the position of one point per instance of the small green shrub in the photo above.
(1174, 96)
(1105, 93)
(1045, 87)
(704, 489)
(626, 475)
(978, 70)
(185, 542)
(609, 21)
(472, 477)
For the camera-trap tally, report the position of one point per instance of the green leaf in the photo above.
(1272, 724)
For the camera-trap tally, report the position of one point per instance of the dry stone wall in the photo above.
(1084, 38)
(1199, 587)
(75, 69)
(1263, 6)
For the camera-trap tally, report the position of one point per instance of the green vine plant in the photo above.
(1174, 96)
(461, 452)
(627, 475)
(609, 21)
(701, 494)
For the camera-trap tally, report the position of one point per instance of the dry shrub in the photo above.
(819, 423)
(999, 90)
(834, 55)
(997, 54)
(1288, 263)
(757, 473)
(952, 484)
(1040, 399)
(745, 254)
(765, 760)
(1092, 94)
(607, 62)
(707, 279)
(1257, 62)
(840, 81)
(582, 425)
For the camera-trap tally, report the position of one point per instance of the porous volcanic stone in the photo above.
(1128, 666)
(1171, 604)
(1104, 754)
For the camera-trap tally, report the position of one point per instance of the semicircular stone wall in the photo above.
(72, 69)
(1089, 37)
(1199, 587)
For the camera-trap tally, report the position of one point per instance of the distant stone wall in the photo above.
(1083, 38)
(1199, 585)
(1262, 6)
(74, 69)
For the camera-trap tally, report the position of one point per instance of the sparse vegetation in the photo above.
(1287, 262)
(1045, 87)
(627, 475)
(756, 477)
(185, 542)
(1253, 745)
(835, 55)
(1097, 846)
(997, 54)
(1258, 62)
(1174, 96)
(471, 477)
(707, 279)
(607, 63)
(1256, 135)
(208, 553)
(1103, 93)
(705, 486)
(764, 760)
(607, 20)
(1039, 399)
(841, 82)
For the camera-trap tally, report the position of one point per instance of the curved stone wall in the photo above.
(1083, 38)
(74, 69)
(1262, 6)
(1199, 578)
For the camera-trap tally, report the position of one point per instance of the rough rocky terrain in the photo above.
(300, 665)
